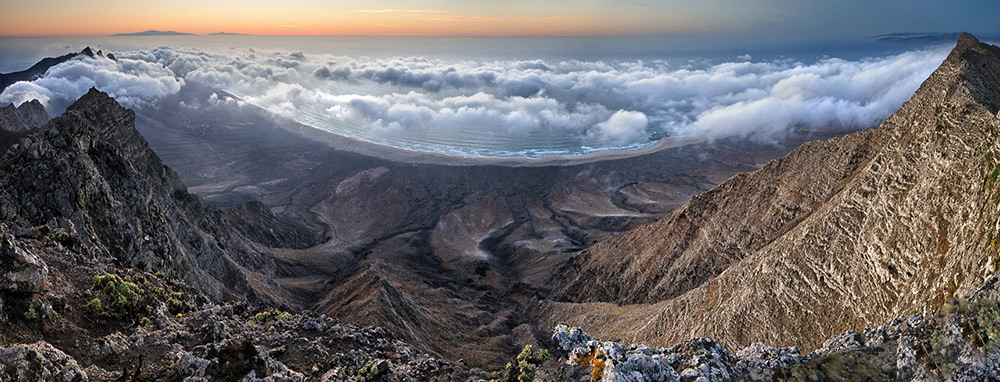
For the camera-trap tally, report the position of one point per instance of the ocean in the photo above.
(530, 97)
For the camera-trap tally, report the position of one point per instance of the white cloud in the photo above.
(623, 127)
(131, 82)
(595, 103)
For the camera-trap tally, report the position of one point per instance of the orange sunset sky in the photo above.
(513, 17)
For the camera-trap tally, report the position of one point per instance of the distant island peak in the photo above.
(153, 32)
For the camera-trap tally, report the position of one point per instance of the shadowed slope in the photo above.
(90, 173)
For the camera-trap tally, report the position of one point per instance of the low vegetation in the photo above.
(49, 236)
(979, 324)
(834, 367)
(371, 371)
(523, 369)
(132, 298)
(271, 315)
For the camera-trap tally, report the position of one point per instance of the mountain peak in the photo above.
(104, 112)
(966, 43)
(22, 118)
(91, 173)
(823, 221)
(93, 96)
(971, 65)
(966, 37)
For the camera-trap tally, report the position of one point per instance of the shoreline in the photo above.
(395, 154)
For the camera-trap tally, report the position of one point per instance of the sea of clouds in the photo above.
(599, 104)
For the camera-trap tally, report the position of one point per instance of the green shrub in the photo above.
(834, 367)
(123, 297)
(48, 236)
(371, 371)
(174, 305)
(59, 234)
(94, 306)
(128, 297)
(271, 315)
(523, 369)
(262, 317)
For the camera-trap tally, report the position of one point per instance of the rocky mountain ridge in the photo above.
(23, 118)
(839, 234)
(6, 79)
(110, 270)
(16, 121)
(109, 260)
(959, 345)
(90, 174)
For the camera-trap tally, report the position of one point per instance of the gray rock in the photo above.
(21, 272)
(845, 341)
(27, 116)
(39, 361)
(110, 347)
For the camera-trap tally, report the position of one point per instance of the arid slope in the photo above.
(840, 234)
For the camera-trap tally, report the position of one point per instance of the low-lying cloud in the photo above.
(132, 82)
(545, 103)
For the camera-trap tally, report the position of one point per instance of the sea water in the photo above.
(531, 97)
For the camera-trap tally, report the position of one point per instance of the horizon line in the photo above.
(183, 34)
(237, 34)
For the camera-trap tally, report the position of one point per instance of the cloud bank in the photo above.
(132, 82)
(531, 107)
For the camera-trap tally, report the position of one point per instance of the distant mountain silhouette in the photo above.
(152, 32)
(42, 66)
(930, 37)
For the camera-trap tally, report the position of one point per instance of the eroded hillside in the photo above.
(840, 234)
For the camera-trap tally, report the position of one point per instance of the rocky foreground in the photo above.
(959, 344)
(111, 270)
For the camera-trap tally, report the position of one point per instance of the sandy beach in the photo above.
(419, 157)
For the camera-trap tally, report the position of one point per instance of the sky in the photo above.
(804, 18)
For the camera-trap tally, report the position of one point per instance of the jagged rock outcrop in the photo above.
(39, 361)
(22, 118)
(90, 176)
(107, 259)
(16, 121)
(230, 343)
(837, 235)
(23, 272)
(960, 345)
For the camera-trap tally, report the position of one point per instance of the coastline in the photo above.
(395, 154)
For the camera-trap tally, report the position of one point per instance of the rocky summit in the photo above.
(838, 235)
(111, 270)
(872, 256)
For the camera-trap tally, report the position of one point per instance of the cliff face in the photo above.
(16, 121)
(23, 118)
(89, 173)
(111, 270)
(839, 234)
